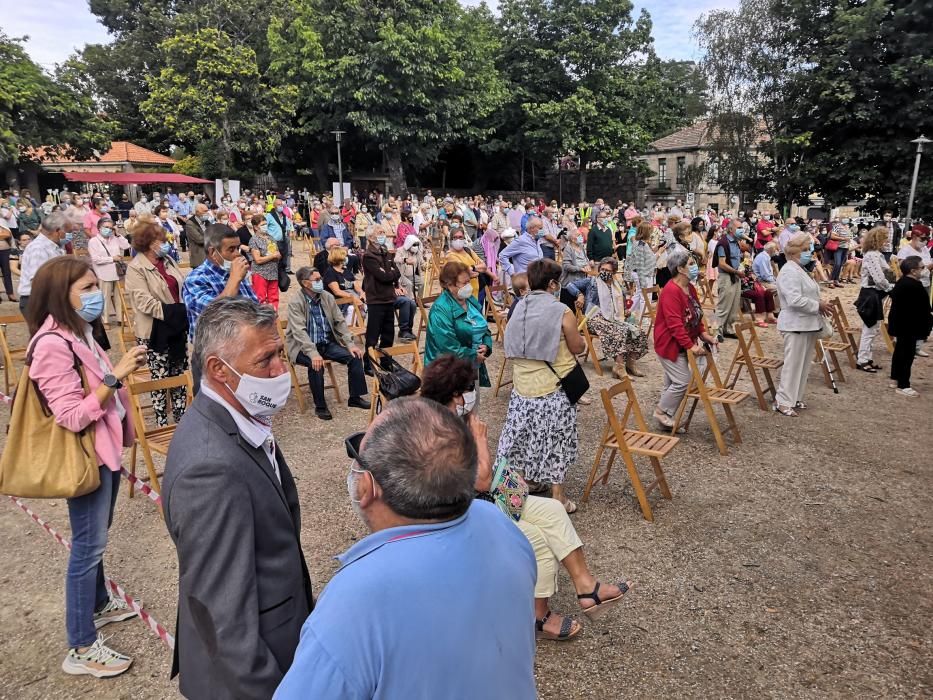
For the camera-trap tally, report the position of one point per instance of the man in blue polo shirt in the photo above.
(438, 601)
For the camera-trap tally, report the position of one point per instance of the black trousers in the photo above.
(902, 360)
(7, 273)
(380, 325)
(334, 352)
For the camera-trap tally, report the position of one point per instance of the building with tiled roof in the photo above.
(669, 158)
(122, 157)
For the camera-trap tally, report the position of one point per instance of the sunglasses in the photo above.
(352, 444)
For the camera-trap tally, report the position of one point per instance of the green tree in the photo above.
(37, 110)
(211, 89)
(863, 90)
(581, 70)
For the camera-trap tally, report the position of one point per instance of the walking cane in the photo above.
(829, 369)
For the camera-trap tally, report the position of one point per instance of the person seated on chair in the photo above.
(457, 324)
(316, 332)
(679, 327)
(603, 301)
(754, 289)
(340, 281)
(519, 289)
(450, 381)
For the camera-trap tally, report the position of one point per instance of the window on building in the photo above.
(712, 171)
(662, 171)
(681, 167)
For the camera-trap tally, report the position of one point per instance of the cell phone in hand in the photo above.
(248, 255)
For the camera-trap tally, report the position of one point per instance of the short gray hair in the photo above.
(304, 273)
(215, 234)
(677, 258)
(54, 222)
(424, 459)
(220, 324)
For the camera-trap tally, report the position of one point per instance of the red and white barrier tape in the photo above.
(142, 486)
(117, 590)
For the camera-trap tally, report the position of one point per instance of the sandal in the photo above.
(595, 611)
(569, 628)
(785, 411)
(800, 405)
(877, 367)
(761, 324)
(569, 506)
(866, 367)
(584, 401)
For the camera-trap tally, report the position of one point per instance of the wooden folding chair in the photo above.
(357, 326)
(590, 350)
(11, 354)
(698, 391)
(888, 341)
(396, 351)
(621, 440)
(846, 330)
(153, 439)
(500, 314)
(292, 370)
(424, 313)
(750, 356)
(707, 300)
(650, 307)
(501, 374)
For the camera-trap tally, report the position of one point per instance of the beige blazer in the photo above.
(147, 291)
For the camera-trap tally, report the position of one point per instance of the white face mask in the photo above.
(457, 244)
(469, 402)
(261, 396)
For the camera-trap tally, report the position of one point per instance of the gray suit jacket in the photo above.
(243, 585)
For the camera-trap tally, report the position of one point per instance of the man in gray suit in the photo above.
(231, 508)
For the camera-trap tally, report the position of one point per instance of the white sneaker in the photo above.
(922, 353)
(99, 661)
(115, 611)
(912, 393)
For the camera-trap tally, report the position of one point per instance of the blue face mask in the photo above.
(66, 239)
(280, 209)
(806, 257)
(106, 232)
(317, 287)
(164, 250)
(92, 305)
(693, 272)
(381, 240)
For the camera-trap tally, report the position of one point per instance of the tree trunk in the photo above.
(320, 163)
(225, 149)
(583, 162)
(396, 173)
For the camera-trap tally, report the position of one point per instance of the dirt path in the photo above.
(798, 566)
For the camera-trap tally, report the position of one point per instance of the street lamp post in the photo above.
(913, 183)
(337, 134)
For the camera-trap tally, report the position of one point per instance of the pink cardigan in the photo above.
(52, 370)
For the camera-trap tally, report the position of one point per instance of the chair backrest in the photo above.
(7, 349)
(136, 388)
(506, 293)
(424, 305)
(632, 407)
(397, 351)
(646, 293)
(840, 309)
(749, 344)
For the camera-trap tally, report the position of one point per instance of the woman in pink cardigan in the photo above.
(65, 300)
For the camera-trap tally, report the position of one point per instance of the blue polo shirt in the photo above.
(424, 612)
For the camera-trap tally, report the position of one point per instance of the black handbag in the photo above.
(284, 281)
(394, 380)
(575, 384)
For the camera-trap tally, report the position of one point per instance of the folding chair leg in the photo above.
(753, 375)
(592, 479)
(153, 474)
(133, 466)
(733, 426)
(772, 391)
(714, 426)
(662, 479)
(638, 488)
(302, 404)
(612, 458)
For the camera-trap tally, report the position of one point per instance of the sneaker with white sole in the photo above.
(99, 661)
(116, 610)
(912, 393)
(922, 353)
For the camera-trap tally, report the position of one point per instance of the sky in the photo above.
(59, 27)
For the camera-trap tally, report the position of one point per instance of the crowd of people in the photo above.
(202, 285)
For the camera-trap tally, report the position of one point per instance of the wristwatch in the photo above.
(111, 382)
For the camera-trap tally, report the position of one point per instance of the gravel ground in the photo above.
(798, 566)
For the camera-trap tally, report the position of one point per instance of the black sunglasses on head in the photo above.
(352, 444)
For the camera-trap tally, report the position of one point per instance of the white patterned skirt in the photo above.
(539, 437)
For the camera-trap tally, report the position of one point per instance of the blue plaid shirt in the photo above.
(202, 286)
(318, 327)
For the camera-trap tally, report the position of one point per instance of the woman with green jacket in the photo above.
(457, 324)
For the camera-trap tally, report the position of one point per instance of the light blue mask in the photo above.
(806, 257)
(106, 232)
(92, 305)
(317, 287)
(164, 250)
(381, 240)
(693, 272)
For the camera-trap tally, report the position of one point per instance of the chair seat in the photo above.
(160, 438)
(729, 396)
(835, 345)
(767, 362)
(643, 443)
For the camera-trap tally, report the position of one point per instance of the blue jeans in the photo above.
(840, 255)
(406, 313)
(85, 590)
